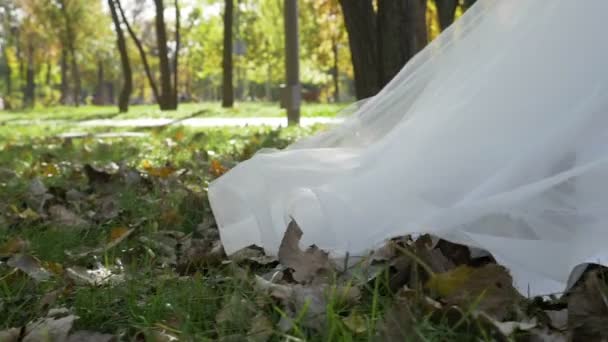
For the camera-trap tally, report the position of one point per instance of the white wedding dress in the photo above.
(494, 136)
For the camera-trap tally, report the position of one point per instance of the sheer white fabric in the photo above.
(495, 136)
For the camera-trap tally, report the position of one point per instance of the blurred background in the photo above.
(171, 52)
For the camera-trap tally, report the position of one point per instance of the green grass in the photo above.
(156, 297)
(206, 109)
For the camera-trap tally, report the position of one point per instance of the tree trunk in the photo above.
(70, 40)
(360, 21)
(468, 3)
(127, 73)
(405, 19)
(446, 9)
(29, 91)
(7, 76)
(336, 70)
(64, 76)
(49, 70)
(381, 43)
(166, 92)
(142, 53)
(227, 67)
(176, 59)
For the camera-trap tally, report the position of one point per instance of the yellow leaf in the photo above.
(49, 170)
(29, 214)
(179, 135)
(117, 233)
(53, 267)
(355, 323)
(13, 246)
(444, 284)
(162, 172)
(216, 168)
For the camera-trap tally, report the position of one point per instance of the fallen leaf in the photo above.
(30, 266)
(588, 308)
(261, 329)
(63, 216)
(49, 329)
(107, 208)
(10, 335)
(558, 319)
(398, 323)
(507, 328)
(490, 288)
(13, 246)
(94, 277)
(91, 336)
(235, 310)
(37, 196)
(308, 302)
(306, 265)
(216, 168)
(356, 323)
(96, 177)
(114, 240)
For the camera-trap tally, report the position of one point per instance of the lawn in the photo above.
(118, 232)
(205, 109)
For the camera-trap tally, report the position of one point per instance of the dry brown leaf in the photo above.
(307, 265)
(37, 195)
(261, 329)
(398, 323)
(49, 329)
(13, 246)
(311, 301)
(10, 335)
(490, 288)
(588, 308)
(91, 336)
(30, 266)
(115, 238)
(65, 217)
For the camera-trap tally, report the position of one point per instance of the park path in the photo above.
(190, 122)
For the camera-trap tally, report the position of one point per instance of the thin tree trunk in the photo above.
(142, 53)
(446, 9)
(70, 37)
(127, 73)
(64, 77)
(163, 58)
(176, 59)
(8, 75)
(49, 70)
(267, 89)
(29, 92)
(227, 66)
(336, 71)
(360, 21)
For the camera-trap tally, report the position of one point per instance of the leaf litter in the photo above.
(409, 289)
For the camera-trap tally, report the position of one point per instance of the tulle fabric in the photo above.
(494, 136)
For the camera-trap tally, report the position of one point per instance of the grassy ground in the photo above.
(207, 109)
(120, 232)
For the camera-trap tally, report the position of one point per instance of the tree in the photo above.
(127, 86)
(167, 96)
(446, 11)
(227, 65)
(377, 54)
(68, 15)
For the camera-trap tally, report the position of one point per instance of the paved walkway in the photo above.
(192, 122)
